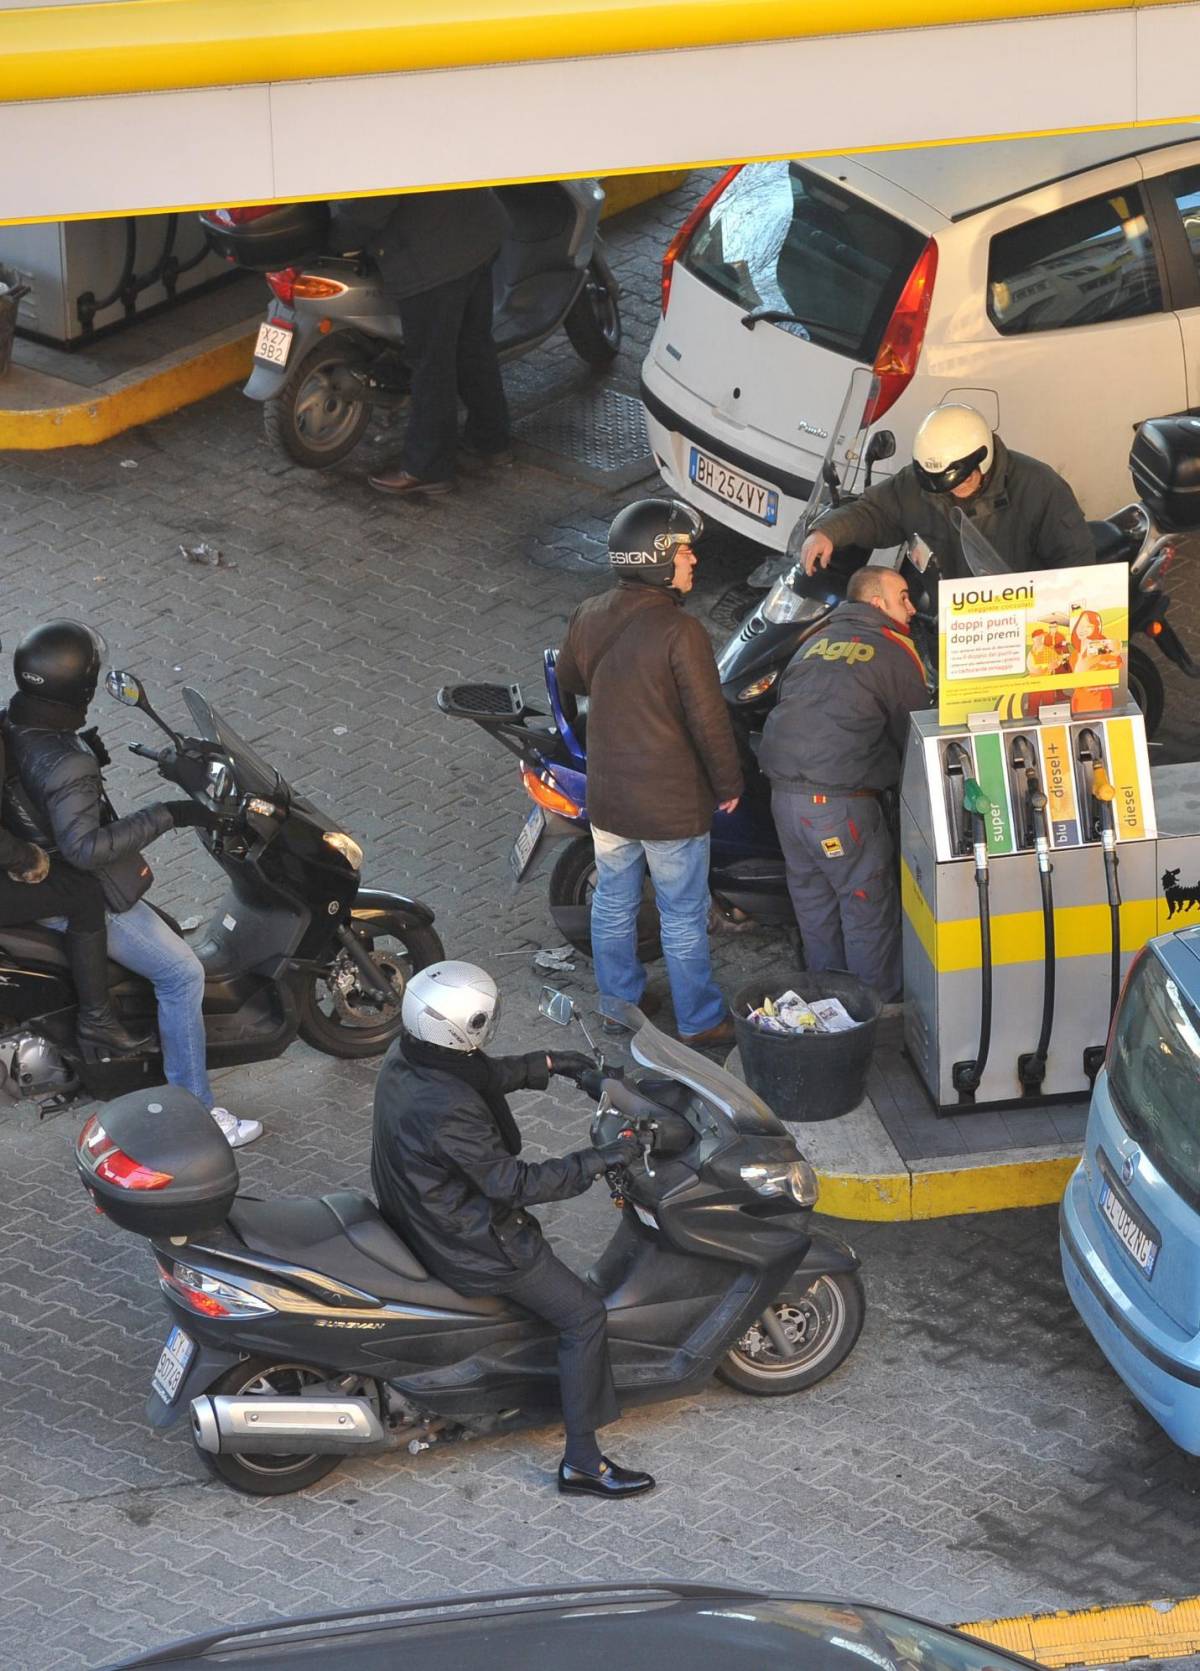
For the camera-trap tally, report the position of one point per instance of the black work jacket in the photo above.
(420, 240)
(15, 853)
(59, 802)
(842, 717)
(1024, 509)
(445, 1181)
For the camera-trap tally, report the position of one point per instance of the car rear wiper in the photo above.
(780, 316)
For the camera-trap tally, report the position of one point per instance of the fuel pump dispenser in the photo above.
(1011, 834)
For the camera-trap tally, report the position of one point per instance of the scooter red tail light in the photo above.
(206, 1295)
(100, 1155)
(283, 283)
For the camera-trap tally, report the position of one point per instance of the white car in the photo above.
(1054, 284)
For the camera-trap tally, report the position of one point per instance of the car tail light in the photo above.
(101, 1155)
(283, 283)
(900, 348)
(240, 217)
(683, 237)
(542, 789)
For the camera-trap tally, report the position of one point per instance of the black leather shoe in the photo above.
(611, 1481)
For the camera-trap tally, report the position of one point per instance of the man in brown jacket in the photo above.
(661, 759)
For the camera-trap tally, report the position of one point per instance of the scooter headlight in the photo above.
(760, 687)
(346, 846)
(795, 1178)
(782, 604)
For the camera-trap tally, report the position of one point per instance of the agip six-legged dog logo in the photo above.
(1177, 898)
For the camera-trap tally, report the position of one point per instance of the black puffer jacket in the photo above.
(59, 802)
(445, 1181)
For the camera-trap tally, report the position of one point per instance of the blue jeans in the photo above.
(140, 940)
(679, 872)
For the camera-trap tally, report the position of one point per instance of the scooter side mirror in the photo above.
(556, 1006)
(881, 445)
(125, 687)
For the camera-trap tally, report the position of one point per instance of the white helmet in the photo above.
(951, 442)
(451, 1004)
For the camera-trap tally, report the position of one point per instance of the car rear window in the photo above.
(783, 238)
(1082, 265)
(1154, 1073)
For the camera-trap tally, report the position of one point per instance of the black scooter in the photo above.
(296, 947)
(305, 1330)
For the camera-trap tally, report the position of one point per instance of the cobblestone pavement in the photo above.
(975, 1456)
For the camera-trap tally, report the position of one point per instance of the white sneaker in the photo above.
(237, 1133)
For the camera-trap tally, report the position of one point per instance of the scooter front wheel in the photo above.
(266, 1475)
(820, 1324)
(593, 324)
(323, 410)
(340, 1016)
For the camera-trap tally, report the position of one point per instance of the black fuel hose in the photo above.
(966, 1076)
(1031, 1066)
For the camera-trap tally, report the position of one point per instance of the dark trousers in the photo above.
(552, 1291)
(449, 347)
(64, 893)
(841, 875)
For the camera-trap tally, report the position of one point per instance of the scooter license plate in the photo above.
(274, 343)
(745, 494)
(525, 846)
(173, 1365)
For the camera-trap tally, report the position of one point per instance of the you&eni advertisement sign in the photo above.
(1008, 644)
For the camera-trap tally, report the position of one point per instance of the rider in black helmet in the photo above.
(57, 667)
(36, 885)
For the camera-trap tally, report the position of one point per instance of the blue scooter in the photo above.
(746, 874)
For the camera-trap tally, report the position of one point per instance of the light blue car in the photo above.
(1129, 1226)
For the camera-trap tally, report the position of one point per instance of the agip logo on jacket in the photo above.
(849, 650)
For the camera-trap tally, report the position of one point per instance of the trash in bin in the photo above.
(790, 1013)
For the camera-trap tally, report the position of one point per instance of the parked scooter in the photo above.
(296, 947)
(304, 1330)
(332, 347)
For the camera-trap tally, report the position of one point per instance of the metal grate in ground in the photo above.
(595, 435)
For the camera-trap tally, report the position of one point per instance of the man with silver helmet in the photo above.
(661, 758)
(1022, 507)
(447, 1173)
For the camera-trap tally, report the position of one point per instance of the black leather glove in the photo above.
(570, 1064)
(621, 1153)
(187, 815)
(189, 771)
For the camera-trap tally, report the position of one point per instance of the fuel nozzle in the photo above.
(1024, 760)
(977, 804)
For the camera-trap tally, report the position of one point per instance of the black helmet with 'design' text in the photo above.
(60, 662)
(645, 536)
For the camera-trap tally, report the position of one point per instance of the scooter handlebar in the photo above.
(147, 753)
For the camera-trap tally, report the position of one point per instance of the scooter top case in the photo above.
(157, 1163)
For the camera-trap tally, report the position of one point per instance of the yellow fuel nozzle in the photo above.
(1102, 789)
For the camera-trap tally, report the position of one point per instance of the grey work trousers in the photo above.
(552, 1291)
(841, 875)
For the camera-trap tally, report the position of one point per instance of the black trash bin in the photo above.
(807, 1076)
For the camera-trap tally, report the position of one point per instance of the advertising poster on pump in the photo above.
(1009, 644)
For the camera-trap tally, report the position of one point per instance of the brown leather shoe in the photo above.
(401, 482)
(721, 1035)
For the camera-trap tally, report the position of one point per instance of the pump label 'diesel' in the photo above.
(1058, 775)
(1125, 761)
(993, 780)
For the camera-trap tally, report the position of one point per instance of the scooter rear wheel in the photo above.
(322, 412)
(593, 323)
(822, 1321)
(264, 1475)
(572, 883)
(341, 1019)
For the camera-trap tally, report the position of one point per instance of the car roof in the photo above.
(959, 180)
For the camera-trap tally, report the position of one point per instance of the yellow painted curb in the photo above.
(896, 1197)
(91, 421)
(1099, 1635)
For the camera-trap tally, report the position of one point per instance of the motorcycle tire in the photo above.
(824, 1319)
(355, 1027)
(593, 323)
(572, 882)
(317, 419)
(259, 1475)
(1146, 688)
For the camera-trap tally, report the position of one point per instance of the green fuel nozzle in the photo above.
(975, 798)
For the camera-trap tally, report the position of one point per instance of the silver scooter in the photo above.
(331, 347)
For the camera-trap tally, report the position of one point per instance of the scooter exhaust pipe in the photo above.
(290, 1426)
